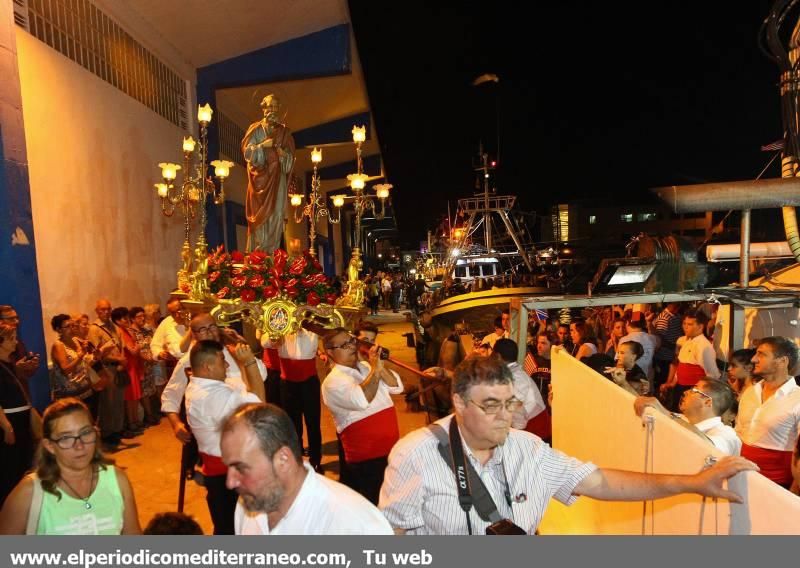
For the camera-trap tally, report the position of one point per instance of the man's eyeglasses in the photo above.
(349, 343)
(68, 442)
(701, 393)
(492, 408)
(206, 329)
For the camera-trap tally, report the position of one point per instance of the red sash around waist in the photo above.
(540, 425)
(371, 437)
(298, 369)
(689, 374)
(271, 359)
(213, 465)
(774, 464)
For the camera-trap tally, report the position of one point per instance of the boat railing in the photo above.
(495, 203)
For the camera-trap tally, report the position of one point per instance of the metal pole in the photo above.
(744, 256)
(488, 217)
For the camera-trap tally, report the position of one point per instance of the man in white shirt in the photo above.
(278, 493)
(524, 388)
(499, 333)
(702, 407)
(358, 394)
(521, 473)
(696, 357)
(768, 421)
(171, 336)
(210, 399)
(203, 326)
(300, 388)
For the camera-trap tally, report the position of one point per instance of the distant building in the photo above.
(593, 220)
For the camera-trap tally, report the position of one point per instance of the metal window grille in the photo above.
(80, 31)
(230, 139)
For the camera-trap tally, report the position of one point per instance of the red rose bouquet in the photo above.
(258, 276)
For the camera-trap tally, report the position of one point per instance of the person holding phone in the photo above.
(25, 362)
(71, 359)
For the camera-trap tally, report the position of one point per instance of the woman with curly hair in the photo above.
(75, 490)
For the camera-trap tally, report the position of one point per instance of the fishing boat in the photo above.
(487, 259)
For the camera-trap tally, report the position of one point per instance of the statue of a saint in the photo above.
(268, 149)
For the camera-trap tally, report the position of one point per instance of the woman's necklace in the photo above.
(85, 500)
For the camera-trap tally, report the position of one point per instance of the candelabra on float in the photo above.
(354, 297)
(192, 193)
(315, 206)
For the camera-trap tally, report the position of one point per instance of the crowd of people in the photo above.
(242, 418)
(390, 291)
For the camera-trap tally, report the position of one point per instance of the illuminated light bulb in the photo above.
(222, 168)
(169, 171)
(359, 134)
(204, 113)
(188, 144)
(338, 200)
(357, 181)
(162, 189)
(316, 155)
(295, 199)
(382, 190)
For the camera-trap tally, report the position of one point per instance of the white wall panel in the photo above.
(92, 153)
(593, 420)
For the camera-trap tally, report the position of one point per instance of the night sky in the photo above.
(596, 99)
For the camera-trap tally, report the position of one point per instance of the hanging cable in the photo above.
(648, 421)
(708, 462)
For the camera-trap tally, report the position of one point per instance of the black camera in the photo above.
(504, 528)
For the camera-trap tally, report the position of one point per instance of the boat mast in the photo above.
(487, 212)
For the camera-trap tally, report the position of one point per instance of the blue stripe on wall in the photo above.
(19, 285)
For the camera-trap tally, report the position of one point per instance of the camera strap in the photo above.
(467, 478)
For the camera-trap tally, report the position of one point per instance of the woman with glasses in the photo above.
(75, 489)
(69, 377)
(17, 443)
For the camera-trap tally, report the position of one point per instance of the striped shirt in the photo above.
(419, 491)
(668, 327)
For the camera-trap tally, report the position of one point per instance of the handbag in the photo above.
(98, 378)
